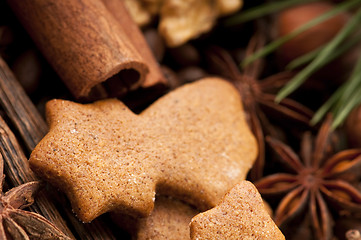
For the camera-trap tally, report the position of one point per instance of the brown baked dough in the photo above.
(193, 143)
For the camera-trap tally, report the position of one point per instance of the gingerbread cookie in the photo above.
(169, 220)
(192, 143)
(240, 215)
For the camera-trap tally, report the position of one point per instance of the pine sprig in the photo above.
(347, 96)
(344, 99)
(271, 47)
(308, 57)
(262, 10)
(323, 57)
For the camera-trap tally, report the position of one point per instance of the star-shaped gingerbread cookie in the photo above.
(240, 215)
(192, 143)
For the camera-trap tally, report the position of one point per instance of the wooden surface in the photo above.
(85, 45)
(18, 172)
(31, 127)
(19, 108)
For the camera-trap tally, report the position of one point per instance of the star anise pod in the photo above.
(16, 223)
(258, 99)
(320, 183)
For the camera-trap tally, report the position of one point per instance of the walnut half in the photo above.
(182, 20)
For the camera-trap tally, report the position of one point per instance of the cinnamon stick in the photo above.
(32, 128)
(85, 45)
(121, 14)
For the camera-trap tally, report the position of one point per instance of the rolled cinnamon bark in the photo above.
(86, 46)
(119, 11)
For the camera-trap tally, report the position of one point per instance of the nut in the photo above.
(181, 20)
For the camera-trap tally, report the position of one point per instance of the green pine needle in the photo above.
(351, 104)
(346, 97)
(322, 58)
(304, 59)
(343, 100)
(352, 85)
(308, 57)
(262, 10)
(280, 41)
(325, 108)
